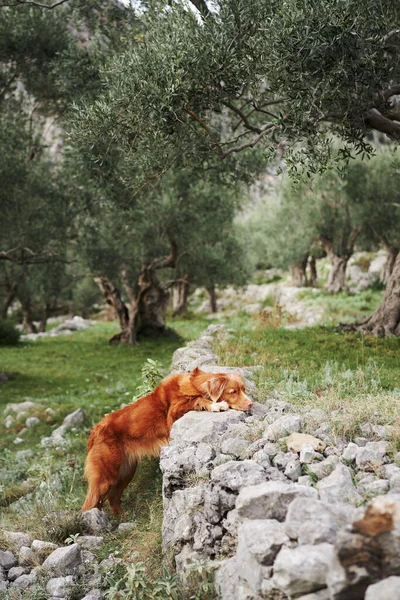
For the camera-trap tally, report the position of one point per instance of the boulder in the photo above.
(60, 587)
(197, 427)
(310, 521)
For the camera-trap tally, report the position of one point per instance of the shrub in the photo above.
(9, 334)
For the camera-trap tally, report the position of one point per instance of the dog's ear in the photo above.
(214, 387)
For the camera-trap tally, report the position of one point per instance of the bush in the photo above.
(9, 334)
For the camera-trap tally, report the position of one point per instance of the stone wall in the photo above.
(279, 513)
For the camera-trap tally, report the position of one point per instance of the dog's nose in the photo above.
(249, 404)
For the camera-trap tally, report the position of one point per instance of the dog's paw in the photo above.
(219, 406)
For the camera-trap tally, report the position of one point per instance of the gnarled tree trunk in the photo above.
(339, 260)
(180, 294)
(45, 316)
(147, 301)
(11, 293)
(299, 272)
(213, 298)
(27, 319)
(385, 320)
(337, 274)
(391, 259)
(313, 271)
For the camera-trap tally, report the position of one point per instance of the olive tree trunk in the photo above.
(27, 319)
(11, 293)
(45, 316)
(147, 301)
(391, 259)
(180, 294)
(313, 271)
(385, 320)
(339, 259)
(213, 298)
(299, 272)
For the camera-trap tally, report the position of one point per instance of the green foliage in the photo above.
(151, 377)
(9, 334)
(170, 92)
(136, 585)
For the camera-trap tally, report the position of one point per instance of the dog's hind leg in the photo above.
(115, 493)
(102, 472)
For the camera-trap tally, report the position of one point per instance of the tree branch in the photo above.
(251, 144)
(394, 91)
(375, 120)
(25, 256)
(242, 116)
(201, 7)
(389, 35)
(32, 3)
(167, 261)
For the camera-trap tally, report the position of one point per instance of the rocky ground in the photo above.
(65, 328)
(278, 512)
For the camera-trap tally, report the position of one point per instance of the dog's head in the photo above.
(229, 387)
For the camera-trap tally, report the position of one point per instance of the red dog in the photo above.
(122, 438)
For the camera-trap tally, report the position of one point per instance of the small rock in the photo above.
(16, 572)
(325, 467)
(371, 456)
(8, 422)
(338, 487)
(63, 561)
(281, 460)
(27, 557)
(90, 541)
(296, 440)
(270, 500)
(387, 589)
(7, 559)
(25, 581)
(96, 521)
(311, 521)
(293, 470)
(43, 548)
(308, 454)
(351, 452)
(205, 453)
(361, 441)
(235, 475)
(378, 487)
(75, 418)
(283, 426)
(234, 446)
(60, 587)
(302, 569)
(17, 538)
(32, 422)
(262, 458)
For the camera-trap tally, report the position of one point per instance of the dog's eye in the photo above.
(233, 392)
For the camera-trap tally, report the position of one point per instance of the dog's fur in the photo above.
(122, 438)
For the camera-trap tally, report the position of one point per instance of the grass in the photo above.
(357, 376)
(64, 373)
(343, 307)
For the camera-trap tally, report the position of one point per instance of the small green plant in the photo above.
(151, 377)
(72, 539)
(313, 476)
(9, 334)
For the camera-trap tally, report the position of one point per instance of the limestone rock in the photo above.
(226, 579)
(90, 541)
(75, 418)
(43, 548)
(282, 427)
(387, 589)
(296, 440)
(96, 521)
(17, 538)
(338, 487)
(196, 427)
(28, 557)
(270, 500)
(7, 559)
(60, 587)
(311, 521)
(234, 446)
(371, 456)
(235, 475)
(16, 572)
(63, 561)
(94, 595)
(325, 467)
(302, 569)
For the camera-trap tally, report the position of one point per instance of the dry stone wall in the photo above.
(237, 498)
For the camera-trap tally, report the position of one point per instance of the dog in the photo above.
(122, 438)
